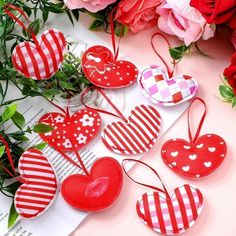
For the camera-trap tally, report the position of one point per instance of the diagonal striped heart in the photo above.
(138, 135)
(38, 193)
(40, 61)
(173, 215)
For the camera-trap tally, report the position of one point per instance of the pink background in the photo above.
(219, 189)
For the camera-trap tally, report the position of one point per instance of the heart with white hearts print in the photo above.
(165, 91)
(102, 70)
(198, 160)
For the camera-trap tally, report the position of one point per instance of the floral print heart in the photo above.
(102, 70)
(194, 161)
(174, 215)
(43, 60)
(38, 192)
(162, 90)
(71, 132)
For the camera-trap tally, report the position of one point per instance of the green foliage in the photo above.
(13, 215)
(177, 53)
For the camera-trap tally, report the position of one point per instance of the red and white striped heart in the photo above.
(77, 130)
(138, 135)
(40, 61)
(165, 91)
(38, 193)
(173, 215)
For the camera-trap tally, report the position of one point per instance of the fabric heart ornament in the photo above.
(96, 191)
(39, 189)
(40, 60)
(103, 70)
(168, 214)
(157, 85)
(71, 132)
(137, 135)
(198, 157)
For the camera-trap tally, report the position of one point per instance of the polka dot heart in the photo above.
(77, 130)
(198, 160)
(101, 69)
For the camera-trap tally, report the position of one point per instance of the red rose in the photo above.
(230, 73)
(215, 11)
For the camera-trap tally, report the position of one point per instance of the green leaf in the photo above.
(9, 112)
(2, 150)
(76, 14)
(66, 85)
(34, 27)
(51, 92)
(96, 24)
(70, 17)
(42, 128)
(12, 188)
(226, 92)
(2, 3)
(13, 215)
(122, 31)
(19, 120)
(45, 14)
(40, 146)
(19, 137)
(177, 53)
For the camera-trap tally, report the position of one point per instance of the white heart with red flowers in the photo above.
(138, 135)
(42, 61)
(163, 90)
(38, 193)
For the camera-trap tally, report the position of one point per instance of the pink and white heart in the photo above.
(163, 90)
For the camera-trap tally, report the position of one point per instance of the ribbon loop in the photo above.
(7, 8)
(169, 70)
(119, 114)
(146, 185)
(193, 140)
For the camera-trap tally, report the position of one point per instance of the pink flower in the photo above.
(178, 18)
(233, 39)
(90, 5)
(137, 14)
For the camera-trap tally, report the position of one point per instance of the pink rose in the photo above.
(233, 39)
(137, 14)
(178, 18)
(90, 5)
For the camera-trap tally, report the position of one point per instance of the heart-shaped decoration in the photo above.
(198, 160)
(172, 215)
(97, 191)
(137, 136)
(42, 60)
(165, 91)
(102, 70)
(77, 130)
(36, 195)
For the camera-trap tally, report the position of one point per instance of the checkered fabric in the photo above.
(173, 215)
(40, 61)
(166, 91)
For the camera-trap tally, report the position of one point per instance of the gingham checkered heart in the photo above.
(173, 215)
(165, 91)
(38, 193)
(40, 61)
(136, 136)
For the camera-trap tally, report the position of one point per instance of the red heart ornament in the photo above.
(170, 215)
(102, 70)
(38, 192)
(40, 60)
(97, 191)
(77, 130)
(195, 161)
(197, 158)
(138, 135)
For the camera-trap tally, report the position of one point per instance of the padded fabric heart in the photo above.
(138, 135)
(77, 130)
(42, 60)
(195, 161)
(173, 215)
(102, 70)
(97, 191)
(38, 193)
(165, 91)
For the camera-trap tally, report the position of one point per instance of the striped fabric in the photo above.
(138, 135)
(34, 197)
(42, 61)
(171, 216)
